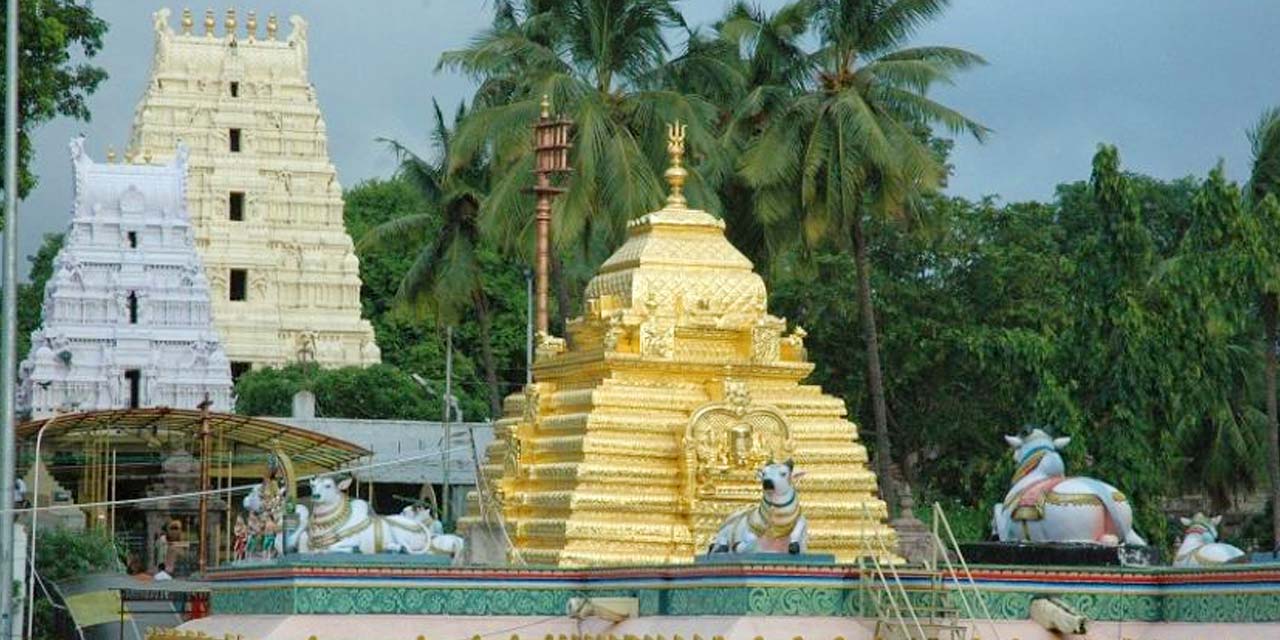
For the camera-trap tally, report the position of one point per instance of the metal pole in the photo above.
(35, 519)
(528, 332)
(9, 318)
(448, 430)
(205, 446)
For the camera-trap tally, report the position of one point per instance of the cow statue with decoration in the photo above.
(1044, 505)
(775, 525)
(336, 523)
(1200, 546)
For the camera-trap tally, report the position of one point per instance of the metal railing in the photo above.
(883, 550)
(941, 548)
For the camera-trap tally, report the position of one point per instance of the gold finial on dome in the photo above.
(676, 174)
(187, 21)
(272, 26)
(230, 23)
(251, 24)
(209, 21)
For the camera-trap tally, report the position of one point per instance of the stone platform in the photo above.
(371, 585)
(1059, 554)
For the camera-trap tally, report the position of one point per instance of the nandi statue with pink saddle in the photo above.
(1044, 505)
(1200, 546)
(776, 525)
(336, 523)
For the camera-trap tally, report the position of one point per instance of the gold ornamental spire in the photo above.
(272, 26)
(209, 21)
(546, 106)
(676, 174)
(187, 21)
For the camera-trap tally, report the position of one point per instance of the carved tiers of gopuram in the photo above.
(637, 440)
(264, 198)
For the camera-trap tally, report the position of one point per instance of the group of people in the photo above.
(255, 536)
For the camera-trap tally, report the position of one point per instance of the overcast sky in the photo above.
(1174, 83)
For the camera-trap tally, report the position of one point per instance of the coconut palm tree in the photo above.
(447, 278)
(855, 143)
(598, 61)
(1263, 192)
(750, 65)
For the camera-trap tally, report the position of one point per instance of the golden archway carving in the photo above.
(724, 444)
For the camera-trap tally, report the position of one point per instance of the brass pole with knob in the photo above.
(551, 156)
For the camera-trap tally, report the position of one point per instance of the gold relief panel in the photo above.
(724, 444)
(657, 339)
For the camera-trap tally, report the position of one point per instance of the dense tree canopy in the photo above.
(56, 36)
(31, 294)
(1137, 315)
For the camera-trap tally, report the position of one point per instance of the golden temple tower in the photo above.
(264, 199)
(641, 435)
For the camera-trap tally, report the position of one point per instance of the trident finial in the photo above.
(676, 173)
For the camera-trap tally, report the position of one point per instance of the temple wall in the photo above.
(242, 102)
(126, 314)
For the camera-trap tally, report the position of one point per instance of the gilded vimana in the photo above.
(639, 320)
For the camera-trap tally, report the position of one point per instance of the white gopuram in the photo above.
(126, 314)
(264, 198)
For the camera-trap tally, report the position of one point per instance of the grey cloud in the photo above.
(1174, 83)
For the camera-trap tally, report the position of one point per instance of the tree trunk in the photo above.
(486, 354)
(560, 282)
(875, 379)
(1270, 304)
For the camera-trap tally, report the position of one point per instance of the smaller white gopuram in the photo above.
(126, 313)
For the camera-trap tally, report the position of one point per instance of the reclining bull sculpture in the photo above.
(776, 525)
(1200, 546)
(1044, 505)
(336, 523)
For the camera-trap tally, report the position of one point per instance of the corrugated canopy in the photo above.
(163, 425)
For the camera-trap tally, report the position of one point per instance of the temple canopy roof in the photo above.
(163, 426)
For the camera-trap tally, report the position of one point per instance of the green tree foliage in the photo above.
(62, 554)
(455, 273)
(31, 294)
(1263, 196)
(601, 62)
(1135, 314)
(969, 317)
(377, 392)
(1124, 314)
(56, 37)
(853, 145)
(411, 339)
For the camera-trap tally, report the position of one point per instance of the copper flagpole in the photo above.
(551, 156)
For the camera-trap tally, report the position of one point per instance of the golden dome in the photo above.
(677, 259)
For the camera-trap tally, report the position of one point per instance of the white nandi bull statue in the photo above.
(1200, 546)
(776, 525)
(338, 524)
(1044, 505)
